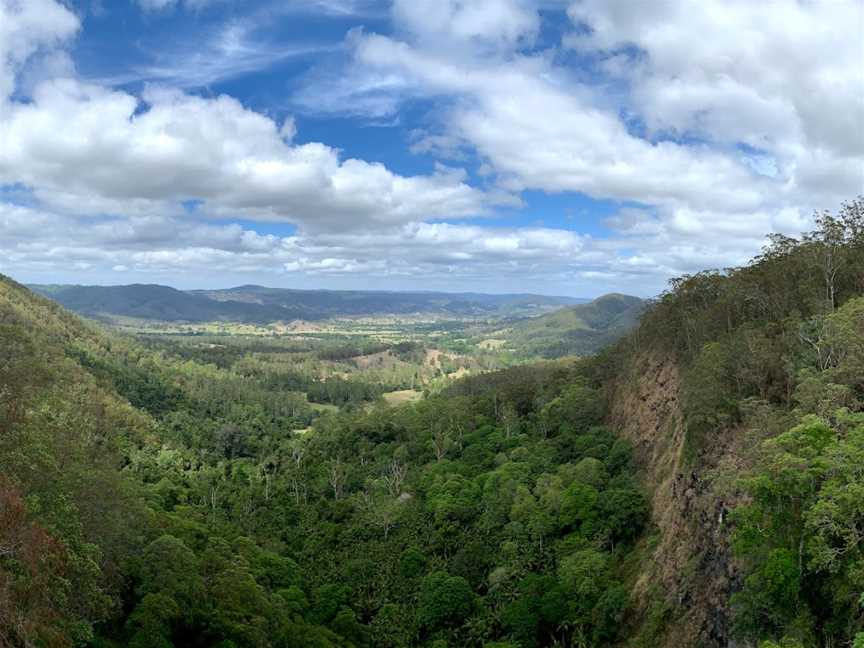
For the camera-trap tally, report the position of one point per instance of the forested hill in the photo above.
(578, 330)
(260, 305)
(697, 484)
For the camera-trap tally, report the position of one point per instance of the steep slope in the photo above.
(69, 518)
(580, 329)
(683, 590)
(742, 393)
(89, 553)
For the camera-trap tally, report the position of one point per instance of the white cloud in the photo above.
(540, 134)
(26, 26)
(770, 74)
(497, 24)
(723, 120)
(86, 148)
(227, 52)
(39, 241)
(784, 78)
(728, 119)
(41, 244)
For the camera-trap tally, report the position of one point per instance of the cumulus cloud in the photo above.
(709, 123)
(80, 144)
(538, 135)
(486, 24)
(726, 119)
(783, 79)
(26, 26)
(43, 244)
(37, 240)
(772, 75)
(85, 147)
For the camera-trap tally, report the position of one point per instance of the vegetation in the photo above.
(774, 352)
(518, 327)
(155, 498)
(219, 491)
(577, 330)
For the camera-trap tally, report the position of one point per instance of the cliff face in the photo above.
(684, 584)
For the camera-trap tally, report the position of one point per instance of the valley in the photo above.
(431, 324)
(400, 483)
(384, 357)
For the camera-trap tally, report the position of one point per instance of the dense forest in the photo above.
(177, 505)
(156, 497)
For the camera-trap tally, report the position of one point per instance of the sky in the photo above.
(571, 147)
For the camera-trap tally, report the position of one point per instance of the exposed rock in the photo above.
(691, 566)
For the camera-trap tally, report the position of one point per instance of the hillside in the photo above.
(578, 330)
(259, 305)
(742, 394)
(153, 302)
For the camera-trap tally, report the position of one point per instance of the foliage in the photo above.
(174, 497)
(200, 493)
(776, 346)
(577, 330)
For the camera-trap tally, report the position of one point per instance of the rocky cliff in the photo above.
(687, 574)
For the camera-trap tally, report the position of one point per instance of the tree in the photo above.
(23, 372)
(32, 575)
(345, 624)
(384, 512)
(394, 476)
(241, 607)
(168, 567)
(534, 519)
(578, 407)
(151, 622)
(440, 440)
(392, 627)
(624, 512)
(579, 509)
(445, 600)
(452, 497)
(336, 477)
(412, 562)
(844, 338)
(593, 596)
(591, 471)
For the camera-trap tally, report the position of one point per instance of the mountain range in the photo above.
(261, 305)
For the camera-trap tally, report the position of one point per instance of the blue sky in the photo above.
(552, 146)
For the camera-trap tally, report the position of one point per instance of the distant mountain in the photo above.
(580, 329)
(153, 302)
(260, 305)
